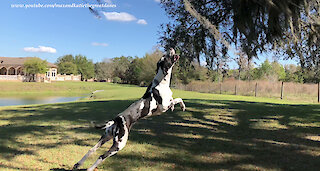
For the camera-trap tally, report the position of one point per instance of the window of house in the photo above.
(54, 73)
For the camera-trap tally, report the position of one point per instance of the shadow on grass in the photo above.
(210, 135)
(59, 169)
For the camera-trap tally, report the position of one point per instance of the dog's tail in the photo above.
(100, 126)
(104, 125)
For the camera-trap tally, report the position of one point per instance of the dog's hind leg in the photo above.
(102, 140)
(180, 101)
(118, 144)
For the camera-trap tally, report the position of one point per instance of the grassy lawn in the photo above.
(217, 132)
(55, 88)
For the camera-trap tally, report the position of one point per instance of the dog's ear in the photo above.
(163, 66)
(158, 66)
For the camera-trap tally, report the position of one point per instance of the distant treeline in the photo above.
(140, 71)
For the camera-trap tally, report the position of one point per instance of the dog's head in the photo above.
(167, 61)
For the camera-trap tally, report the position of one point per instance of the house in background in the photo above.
(12, 69)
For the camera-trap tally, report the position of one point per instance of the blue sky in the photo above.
(77, 31)
(130, 29)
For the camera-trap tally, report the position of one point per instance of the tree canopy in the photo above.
(68, 64)
(35, 66)
(85, 67)
(211, 28)
(67, 68)
(103, 70)
(236, 30)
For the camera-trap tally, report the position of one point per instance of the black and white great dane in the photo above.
(156, 100)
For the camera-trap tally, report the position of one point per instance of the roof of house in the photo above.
(18, 61)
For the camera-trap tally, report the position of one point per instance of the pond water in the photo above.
(12, 101)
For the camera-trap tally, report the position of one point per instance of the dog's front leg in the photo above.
(117, 146)
(180, 101)
(112, 151)
(102, 140)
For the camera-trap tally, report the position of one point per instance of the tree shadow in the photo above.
(282, 146)
(61, 169)
(210, 135)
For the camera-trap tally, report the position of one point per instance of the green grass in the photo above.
(217, 132)
(54, 89)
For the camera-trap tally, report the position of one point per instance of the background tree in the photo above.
(134, 71)
(67, 68)
(273, 71)
(35, 66)
(293, 73)
(148, 66)
(141, 71)
(65, 58)
(66, 65)
(279, 71)
(85, 67)
(265, 70)
(121, 65)
(103, 70)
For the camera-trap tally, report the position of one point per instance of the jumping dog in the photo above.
(156, 100)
